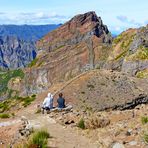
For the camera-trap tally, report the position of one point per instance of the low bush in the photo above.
(27, 100)
(81, 124)
(4, 116)
(39, 139)
(145, 137)
(144, 120)
(142, 74)
(4, 106)
(33, 63)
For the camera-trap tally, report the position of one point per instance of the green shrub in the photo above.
(27, 100)
(33, 96)
(144, 120)
(145, 137)
(141, 54)
(142, 74)
(118, 39)
(4, 106)
(4, 115)
(13, 114)
(81, 124)
(39, 139)
(6, 76)
(33, 63)
(121, 55)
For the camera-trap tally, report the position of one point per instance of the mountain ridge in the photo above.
(71, 49)
(27, 32)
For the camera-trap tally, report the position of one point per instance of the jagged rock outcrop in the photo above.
(130, 52)
(80, 28)
(15, 53)
(141, 99)
(79, 45)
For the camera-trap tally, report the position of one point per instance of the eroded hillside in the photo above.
(130, 52)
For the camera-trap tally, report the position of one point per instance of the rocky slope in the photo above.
(125, 128)
(100, 90)
(130, 52)
(81, 44)
(15, 53)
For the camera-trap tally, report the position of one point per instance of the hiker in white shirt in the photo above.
(48, 102)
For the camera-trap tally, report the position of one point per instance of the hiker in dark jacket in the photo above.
(61, 101)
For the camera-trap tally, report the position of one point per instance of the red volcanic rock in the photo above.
(78, 45)
(79, 28)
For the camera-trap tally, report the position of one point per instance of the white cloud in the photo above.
(126, 20)
(32, 18)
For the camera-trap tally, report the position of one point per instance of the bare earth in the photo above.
(64, 136)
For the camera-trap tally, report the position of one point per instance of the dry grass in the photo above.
(95, 122)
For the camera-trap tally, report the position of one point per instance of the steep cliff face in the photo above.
(15, 53)
(80, 44)
(130, 52)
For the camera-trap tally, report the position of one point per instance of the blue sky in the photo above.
(118, 15)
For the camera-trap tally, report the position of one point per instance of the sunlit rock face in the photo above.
(78, 45)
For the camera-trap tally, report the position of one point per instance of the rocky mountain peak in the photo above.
(80, 28)
(87, 17)
(90, 21)
(76, 46)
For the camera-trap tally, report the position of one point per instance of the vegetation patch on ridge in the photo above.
(142, 74)
(33, 63)
(4, 116)
(144, 120)
(145, 137)
(122, 44)
(27, 100)
(16, 102)
(141, 54)
(5, 77)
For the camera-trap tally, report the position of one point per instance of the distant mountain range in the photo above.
(15, 52)
(27, 32)
(17, 43)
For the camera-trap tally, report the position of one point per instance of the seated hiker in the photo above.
(61, 101)
(48, 102)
